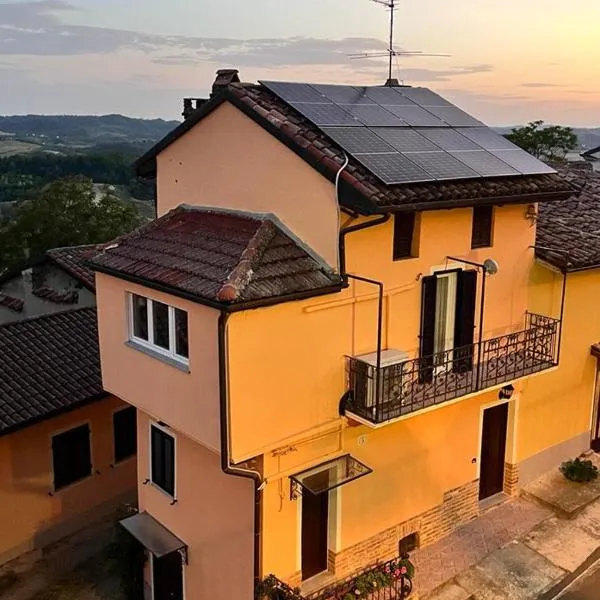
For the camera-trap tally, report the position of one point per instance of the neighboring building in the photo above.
(568, 254)
(244, 325)
(58, 282)
(67, 448)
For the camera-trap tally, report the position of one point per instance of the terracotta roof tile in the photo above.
(571, 228)
(10, 302)
(73, 260)
(56, 296)
(49, 364)
(218, 256)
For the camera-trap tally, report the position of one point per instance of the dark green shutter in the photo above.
(428, 297)
(464, 323)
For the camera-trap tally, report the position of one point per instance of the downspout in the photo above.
(379, 335)
(337, 201)
(226, 465)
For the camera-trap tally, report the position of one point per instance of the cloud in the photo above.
(541, 85)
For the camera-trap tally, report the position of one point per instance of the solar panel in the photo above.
(417, 116)
(441, 165)
(404, 139)
(454, 116)
(343, 94)
(422, 96)
(449, 139)
(524, 163)
(374, 115)
(486, 164)
(357, 139)
(488, 138)
(294, 92)
(325, 114)
(393, 168)
(387, 96)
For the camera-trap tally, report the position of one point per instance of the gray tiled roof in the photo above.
(50, 364)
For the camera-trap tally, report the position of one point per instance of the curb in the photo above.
(564, 583)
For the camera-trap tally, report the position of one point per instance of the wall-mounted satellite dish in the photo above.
(490, 266)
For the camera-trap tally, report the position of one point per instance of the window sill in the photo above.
(173, 362)
(166, 494)
(124, 461)
(69, 486)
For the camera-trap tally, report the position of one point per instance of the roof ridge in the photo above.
(241, 275)
(48, 316)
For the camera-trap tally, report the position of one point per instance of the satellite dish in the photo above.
(490, 266)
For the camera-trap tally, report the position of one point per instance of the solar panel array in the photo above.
(405, 134)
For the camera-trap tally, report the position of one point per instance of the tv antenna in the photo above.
(391, 52)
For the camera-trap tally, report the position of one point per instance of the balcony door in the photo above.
(447, 322)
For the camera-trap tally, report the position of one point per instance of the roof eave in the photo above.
(229, 307)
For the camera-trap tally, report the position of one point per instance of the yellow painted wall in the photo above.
(557, 407)
(414, 462)
(30, 517)
(287, 362)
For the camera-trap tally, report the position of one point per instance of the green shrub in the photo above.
(579, 470)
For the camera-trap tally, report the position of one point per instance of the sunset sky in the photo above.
(511, 61)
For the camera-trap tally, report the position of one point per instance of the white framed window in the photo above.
(159, 327)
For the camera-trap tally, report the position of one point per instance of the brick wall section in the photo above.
(459, 506)
(511, 479)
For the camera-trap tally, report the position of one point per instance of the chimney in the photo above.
(392, 83)
(190, 105)
(223, 79)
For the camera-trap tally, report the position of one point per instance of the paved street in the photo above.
(586, 588)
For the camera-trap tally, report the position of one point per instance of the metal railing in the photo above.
(419, 383)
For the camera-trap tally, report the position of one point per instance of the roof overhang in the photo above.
(154, 536)
(328, 476)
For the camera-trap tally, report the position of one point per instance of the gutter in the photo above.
(226, 465)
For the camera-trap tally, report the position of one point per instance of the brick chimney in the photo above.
(190, 105)
(223, 79)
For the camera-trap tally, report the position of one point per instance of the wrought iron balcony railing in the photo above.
(407, 386)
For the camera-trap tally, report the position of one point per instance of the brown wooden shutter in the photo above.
(404, 226)
(481, 235)
(427, 345)
(464, 323)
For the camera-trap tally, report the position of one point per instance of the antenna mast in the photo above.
(391, 52)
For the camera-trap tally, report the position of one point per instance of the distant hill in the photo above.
(66, 134)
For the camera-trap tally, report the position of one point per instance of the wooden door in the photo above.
(167, 577)
(493, 450)
(315, 511)
(595, 443)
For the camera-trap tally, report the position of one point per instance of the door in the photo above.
(595, 444)
(493, 450)
(167, 577)
(315, 511)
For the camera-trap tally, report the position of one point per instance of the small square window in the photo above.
(71, 456)
(125, 433)
(162, 453)
(405, 241)
(140, 316)
(481, 235)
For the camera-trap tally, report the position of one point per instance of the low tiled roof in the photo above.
(73, 260)
(50, 364)
(11, 302)
(570, 229)
(359, 189)
(56, 296)
(217, 256)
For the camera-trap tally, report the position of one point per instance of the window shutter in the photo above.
(125, 433)
(428, 297)
(404, 226)
(464, 323)
(169, 458)
(481, 236)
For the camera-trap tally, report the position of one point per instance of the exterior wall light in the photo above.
(506, 392)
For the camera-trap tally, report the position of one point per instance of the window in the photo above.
(162, 459)
(71, 456)
(158, 326)
(405, 244)
(125, 433)
(481, 236)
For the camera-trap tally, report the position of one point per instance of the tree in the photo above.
(547, 142)
(66, 212)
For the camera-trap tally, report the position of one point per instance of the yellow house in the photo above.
(326, 333)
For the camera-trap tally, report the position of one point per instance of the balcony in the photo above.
(405, 386)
